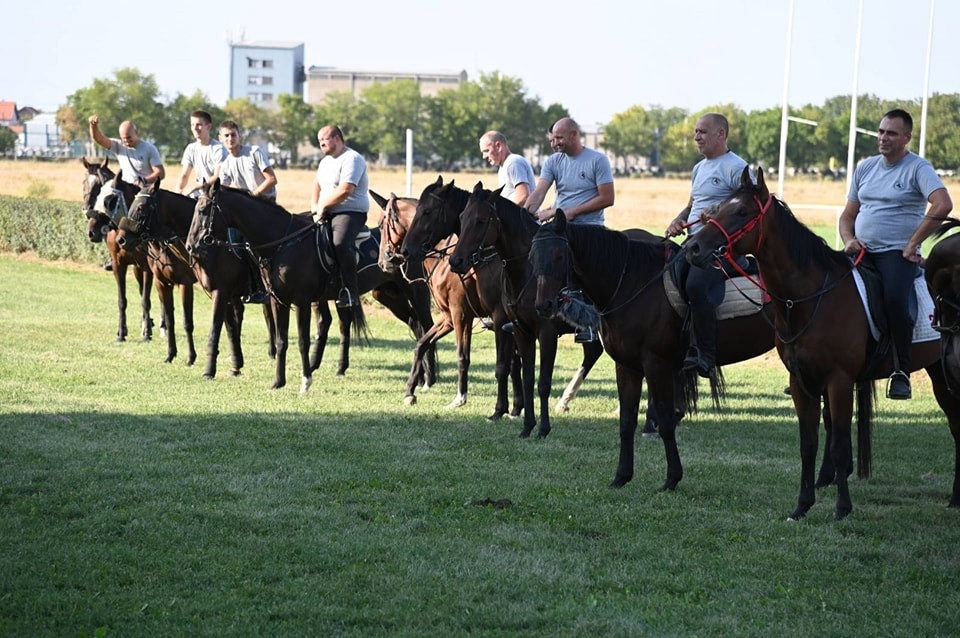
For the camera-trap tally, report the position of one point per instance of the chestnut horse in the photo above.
(166, 255)
(99, 185)
(639, 328)
(491, 221)
(811, 286)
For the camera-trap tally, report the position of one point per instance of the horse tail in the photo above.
(866, 397)
(718, 387)
(690, 389)
(361, 330)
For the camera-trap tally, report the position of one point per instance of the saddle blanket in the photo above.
(922, 328)
(740, 298)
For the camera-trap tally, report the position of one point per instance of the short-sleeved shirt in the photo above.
(576, 180)
(203, 158)
(348, 167)
(515, 170)
(245, 170)
(135, 162)
(713, 181)
(893, 199)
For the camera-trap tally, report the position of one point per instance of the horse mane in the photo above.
(457, 195)
(608, 249)
(527, 222)
(277, 208)
(805, 246)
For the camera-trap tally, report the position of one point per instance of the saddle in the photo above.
(870, 288)
(366, 248)
(740, 299)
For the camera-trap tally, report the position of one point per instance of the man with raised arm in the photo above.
(138, 158)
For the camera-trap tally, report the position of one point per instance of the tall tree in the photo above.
(129, 95)
(295, 124)
(394, 107)
(173, 134)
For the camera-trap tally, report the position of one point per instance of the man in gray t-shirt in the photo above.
(138, 159)
(714, 178)
(200, 157)
(886, 216)
(515, 174)
(581, 175)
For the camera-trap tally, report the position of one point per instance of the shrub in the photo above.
(39, 189)
(53, 229)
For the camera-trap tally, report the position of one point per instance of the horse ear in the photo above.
(104, 163)
(117, 177)
(560, 222)
(761, 185)
(478, 188)
(439, 181)
(85, 163)
(497, 192)
(745, 180)
(381, 201)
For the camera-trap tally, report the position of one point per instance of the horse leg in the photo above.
(281, 316)
(840, 396)
(304, 313)
(270, 318)
(324, 319)
(165, 293)
(464, 335)
(808, 418)
(664, 397)
(591, 353)
(548, 357)
(234, 320)
(346, 319)
(186, 298)
(213, 338)
(504, 372)
(145, 280)
(629, 389)
(426, 342)
(527, 345)
(120, 276)
(827, 474)
(950, 404)
(516, 376)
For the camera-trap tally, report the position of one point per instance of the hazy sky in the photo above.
(595, 57)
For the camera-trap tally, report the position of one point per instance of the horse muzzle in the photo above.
(698, 255)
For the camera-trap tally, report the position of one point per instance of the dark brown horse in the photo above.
(297, 268)
(812, 286)
(427, 240)
(100, 184)
(639, 328)
(491, 221)
(166, 255)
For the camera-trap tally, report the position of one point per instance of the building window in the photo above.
(268, 64)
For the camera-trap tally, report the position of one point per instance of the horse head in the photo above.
(437, 217)
(735, 226)
(479, 225)
(203, 231)
(398, 214)
(142, 218)
(97, 175)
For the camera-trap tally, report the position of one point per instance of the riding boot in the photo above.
(257, 293)
(703, 350)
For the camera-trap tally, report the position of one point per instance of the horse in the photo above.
(295, 271)
(166, 255)
(489, 220)
(811, 286)
(639, 328)
(99, 184)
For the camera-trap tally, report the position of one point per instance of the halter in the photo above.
(388, 228)
(732, 238)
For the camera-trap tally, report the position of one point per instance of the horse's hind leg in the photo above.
(220, 311)
(234, 321)
(304, 314)
(165, 292)
(346, 318)
(548, 356)
(145, 281)
(186, 298)
(324, 318)
(827, 474)
(120, 275)
(629, 389)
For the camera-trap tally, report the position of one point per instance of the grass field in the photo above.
(138, 499)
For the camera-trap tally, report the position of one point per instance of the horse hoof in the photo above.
(305, 384)
(209, 377)
(410, 399)
(496, 416)
(542, 434)
(459, 402)
(561, 407)
(525, 433)
(619, 482)
(235, 372)
(841, 513)
(170, 359)
(797, 514)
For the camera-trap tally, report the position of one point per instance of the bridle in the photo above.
(389, 225)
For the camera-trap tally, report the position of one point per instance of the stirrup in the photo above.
(898, 387)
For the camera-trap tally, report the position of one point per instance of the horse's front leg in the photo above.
(629, 389)
(464, 337)
(324, 318)
(165, 293)
(345, 316)
(145, 282)
(281, 320)
(840, 396)
(426, 342)
(828, 471)
(527, 346)
(270, 319)
(808, 419)
(665, 397)
(950, 404)
(548, 357)
(186, 299)
(591, 353)
(234, 321)
(304, 313)
(120, 276)
(213, 338)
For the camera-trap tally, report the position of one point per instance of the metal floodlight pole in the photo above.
(926, 85)
(784, 115)
(852, 139)
(409, 162)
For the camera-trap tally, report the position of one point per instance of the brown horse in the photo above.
(99, 186)
(942, 273)
(489, 220)
(427, 239)
(639, 328)
(166, 255)
(812, 286)
(298, 269)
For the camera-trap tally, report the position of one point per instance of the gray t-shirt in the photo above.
(515, 170)
(576, 180)
(713, 181)
(348, 167)
(245, 171)
(203, 158)
(893, 199)
(138, 161)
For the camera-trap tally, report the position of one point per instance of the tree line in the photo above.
(448, 125)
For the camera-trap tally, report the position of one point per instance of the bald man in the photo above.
(137, 158)
(581, 175)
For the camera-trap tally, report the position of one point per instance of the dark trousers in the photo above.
(344, 227)
(899, 299)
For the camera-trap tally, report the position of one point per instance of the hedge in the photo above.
(53, 229)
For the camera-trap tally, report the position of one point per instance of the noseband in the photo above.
(726, 250)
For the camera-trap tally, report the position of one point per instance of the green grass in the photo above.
(138, 499)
